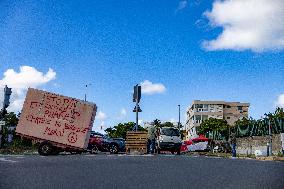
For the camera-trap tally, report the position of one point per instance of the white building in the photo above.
(203, 110)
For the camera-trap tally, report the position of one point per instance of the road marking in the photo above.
(90, 155)
(168, 155)
(19, 157)
(7, 160)
(121, 155)
(215, 157)
(194, 156)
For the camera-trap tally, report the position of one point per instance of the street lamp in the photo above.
(86, 90)
(179, 117)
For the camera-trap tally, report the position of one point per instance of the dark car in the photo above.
(115, 144)
(99, 142)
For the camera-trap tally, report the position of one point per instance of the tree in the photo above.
(214, 125)
(244, 127)
(110, 131)
(279, 113)
(11, 119)
(120, 130)
(167, 124)
(157, 122)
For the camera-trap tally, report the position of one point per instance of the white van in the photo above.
(168, 139)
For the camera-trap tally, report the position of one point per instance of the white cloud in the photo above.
(152, 88)
(280, 101)
(257, 25)
(20, 81)
(26, 77)
(140, 121)
(182, 5)
(101, 116)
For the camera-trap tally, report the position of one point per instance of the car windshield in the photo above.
(106, 137)
(170, 132)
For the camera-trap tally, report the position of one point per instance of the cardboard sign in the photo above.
(56, 118)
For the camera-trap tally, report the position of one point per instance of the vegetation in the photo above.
(18, 145)
(158, 123)
(167, 124)
(11, 119)
(214, 126)
(119, 131)
(245, 127)
(259, 127)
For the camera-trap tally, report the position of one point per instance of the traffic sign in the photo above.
(137, 93)
(7, 94)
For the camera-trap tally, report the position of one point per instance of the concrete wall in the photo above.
(248, 145)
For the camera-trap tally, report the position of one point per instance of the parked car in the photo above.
(115, 144)
(99, 142)
(184, 145)
(168, 140)
(197, 144)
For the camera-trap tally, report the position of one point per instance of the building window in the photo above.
(228, 106)
(201, 107)
(228, 117)
(204, 117)
(240, 108)
(197, 118)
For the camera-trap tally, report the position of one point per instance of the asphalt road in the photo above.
(120, 171)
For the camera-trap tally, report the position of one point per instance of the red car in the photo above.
(99, 142)
(184, 145)
(195, 141)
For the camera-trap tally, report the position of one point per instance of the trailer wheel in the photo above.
(45, 148)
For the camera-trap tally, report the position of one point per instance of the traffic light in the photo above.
(137, 108)
(7, 94)
(137, 93)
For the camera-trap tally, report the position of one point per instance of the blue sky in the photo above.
(115, 44)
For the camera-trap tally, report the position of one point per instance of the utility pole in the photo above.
(86, 91)
(136, 126)
(270, 139)
(179, 118)
(136, 99)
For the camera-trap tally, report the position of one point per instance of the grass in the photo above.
(277, 157)
(11, 150)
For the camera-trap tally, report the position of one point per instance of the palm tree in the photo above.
(157, 122)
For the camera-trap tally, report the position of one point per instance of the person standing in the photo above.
(151, 138)
(233, 142)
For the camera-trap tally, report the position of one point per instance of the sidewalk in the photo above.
(239, 156)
